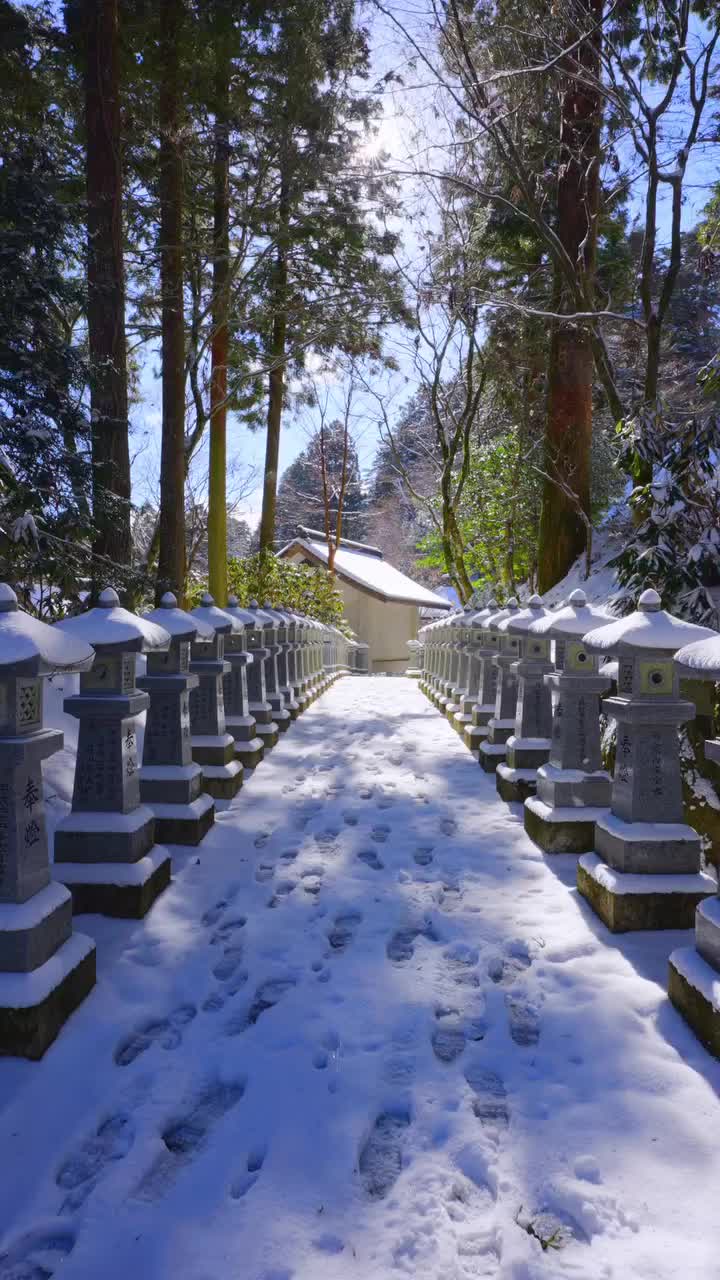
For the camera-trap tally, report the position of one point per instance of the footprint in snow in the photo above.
(523, 1018)
(228, 964)
(350, 819)
(490, 1101)
(326, 838)
(380, 1160)
(380, 833)
(401, 946)
(448, 826)
(266, 997)
(282, 890)
(213, 914)
(365, 793)
(250, 1174)
(228, 930)
(370, 858)
(262, 839)
(37, 1255)
(423, 855)
(515, 959)
(343, 930)
(81, 1171)
(289, 855)
(479, 1254)
(385, 801)
(185, 1137)
(265, 871)
(167, 1031)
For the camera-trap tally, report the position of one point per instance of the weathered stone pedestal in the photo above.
(171, 783)
(105, 849)
(645, 871)
(212, 746)
(299, 684)
(694, 972)
(573, 790)
(528, 747)
(249, 747)
(46, 970)
(501, 725)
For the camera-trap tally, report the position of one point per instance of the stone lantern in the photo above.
(436, 632)
(573, 790)
(171, 783)
(212, 746)
(501, 724)
(459, 686)
(452, 659)
(299, 664)
(483, 677)
(443, 640)
(285, 625)
(645, 871)
(105, 848)
(270, 634)
(46, 970)
(694, 977)
(258, 706)
(239, 721)
(414, 666)
(529, 746)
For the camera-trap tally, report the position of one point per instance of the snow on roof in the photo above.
(24, 638)
(367, 569)
(701, 660)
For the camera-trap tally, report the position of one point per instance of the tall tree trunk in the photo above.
(98, 20)
(568, 432)
(276, 380)
(171, 525)
(217, 508)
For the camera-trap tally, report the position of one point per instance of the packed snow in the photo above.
(370, 1031)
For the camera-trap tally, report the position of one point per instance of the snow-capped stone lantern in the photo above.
(46, 970)
(258, 705)
(171, 783)
(212, 746)
(528, 747)
(502, 722)
(451, 657)
(362, 658)
(483, 677)
(285, 626)
(105, 849)
(645, 871)
(300, 662)
(573, 789)
(239, 721)
(694, 977)
(273, 647)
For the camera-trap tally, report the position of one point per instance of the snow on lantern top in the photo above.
(701, 660)
(517, 624)
(26, 640)
(573, 620)
(177, 622)
(494, 620)
(213, 616)
(650, 627)
(109, 626)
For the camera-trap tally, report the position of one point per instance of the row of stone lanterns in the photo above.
(219, 687)
(640, 863)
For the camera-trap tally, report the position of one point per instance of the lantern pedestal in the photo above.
(694, 977)
(627, 901)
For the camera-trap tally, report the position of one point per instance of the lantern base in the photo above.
(34, 1006)
(626, 902)
(561, 829)
(515, 785)
(117, 889)
(491, 755)
(31, 932)
(473, 735)
(694, 989)
(184, 823)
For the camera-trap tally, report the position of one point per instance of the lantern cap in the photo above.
(108, 624)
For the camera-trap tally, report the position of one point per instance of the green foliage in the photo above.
(268, 580)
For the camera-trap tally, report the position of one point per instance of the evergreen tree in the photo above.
(300, 497)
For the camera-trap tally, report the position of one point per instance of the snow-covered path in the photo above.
(369, 1031)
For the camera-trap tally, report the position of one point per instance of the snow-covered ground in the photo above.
(369, 1031)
